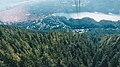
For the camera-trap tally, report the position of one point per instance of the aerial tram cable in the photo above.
(77, 3)
(77, 6)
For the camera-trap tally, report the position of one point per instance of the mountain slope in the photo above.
(25, 48)
(56, 22)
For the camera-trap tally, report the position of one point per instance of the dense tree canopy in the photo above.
(25, 48)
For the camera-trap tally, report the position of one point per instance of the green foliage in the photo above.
(25, 48)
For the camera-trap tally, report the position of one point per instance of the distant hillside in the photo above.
(25, 48)
(56, 22)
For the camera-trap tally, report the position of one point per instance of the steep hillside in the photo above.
(25, 48)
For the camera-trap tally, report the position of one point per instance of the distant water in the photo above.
(95, 15)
